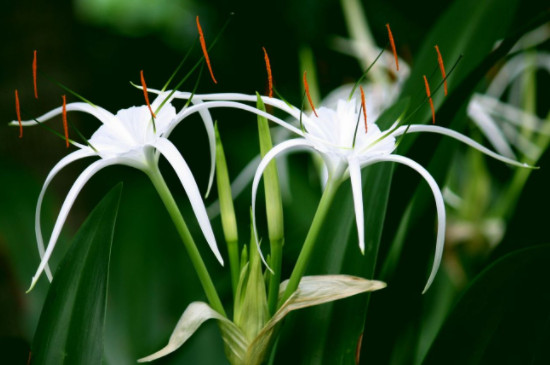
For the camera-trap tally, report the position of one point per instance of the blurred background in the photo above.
(96, 47)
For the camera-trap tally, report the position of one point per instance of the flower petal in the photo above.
(462, 138)
(101, 114)
(488, 126)
(357, 189)
(279, 104)
(231, 104)
(65, 208)
(168, 150)
(76, 155)
(284, 147)
(439, 203)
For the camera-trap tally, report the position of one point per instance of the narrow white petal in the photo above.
(287, 146)
(237, 186)
(357, 189)
(277, 103)
(489, 127)
(460, 137)
(65, 208)
(231, 104)
(168, 150)
(98, 112)
(439, 203)
(209, 125)
(37, 226)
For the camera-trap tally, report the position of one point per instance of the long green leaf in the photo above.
(503, 317)
(71, 326)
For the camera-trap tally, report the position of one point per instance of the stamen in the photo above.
(145, 94)
(204, 51)
(442, 68)
(269, 75)
(429, 95)
(392, 42)
(34, 63)
(306, 86)
(18, 111)
(364, 107)
(65, 125)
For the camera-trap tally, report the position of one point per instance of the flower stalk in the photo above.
(227, 212)
(274, 210)
(311, 238)
(194, 255)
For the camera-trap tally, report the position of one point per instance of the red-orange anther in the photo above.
(392, 43)
(65, 125)
(18, 111)
(306, 86)
(364, 105)
(269, 75)
(442, 68)
(145, 94)
(204, 50)
(34, 67)
(428, 93)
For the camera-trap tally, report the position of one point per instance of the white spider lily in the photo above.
(127, 138)
(332, 135)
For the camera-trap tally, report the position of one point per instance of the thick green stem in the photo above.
(311, 238)
(275, 280)
(196, 259)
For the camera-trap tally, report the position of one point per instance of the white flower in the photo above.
(331, 134)
(127, 138)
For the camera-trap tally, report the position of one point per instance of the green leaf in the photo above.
(468, 27)
(503, 317)
(71, 326)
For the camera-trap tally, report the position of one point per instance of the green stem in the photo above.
(311, 238)
(275, 280)
(196, 259)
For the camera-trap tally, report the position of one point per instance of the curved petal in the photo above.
(231, 104)
(171, 153)
(415, 128)
(489, 127)
(287, 146)
(65, 208)
(277, 103)
(357, 189)
(101, 114)
(209, 125)
(76, 155)
(439, 203)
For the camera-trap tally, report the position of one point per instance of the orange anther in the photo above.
(18, 111)
(145, 94)
(204, 51)
(428, 93)
(308, 95)
(269, 75)
(34, 75)
(392, 43)
(442, 68)
(65, 126)
(364, 105)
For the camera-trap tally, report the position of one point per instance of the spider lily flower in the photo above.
(128, 138)
(346, 145)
